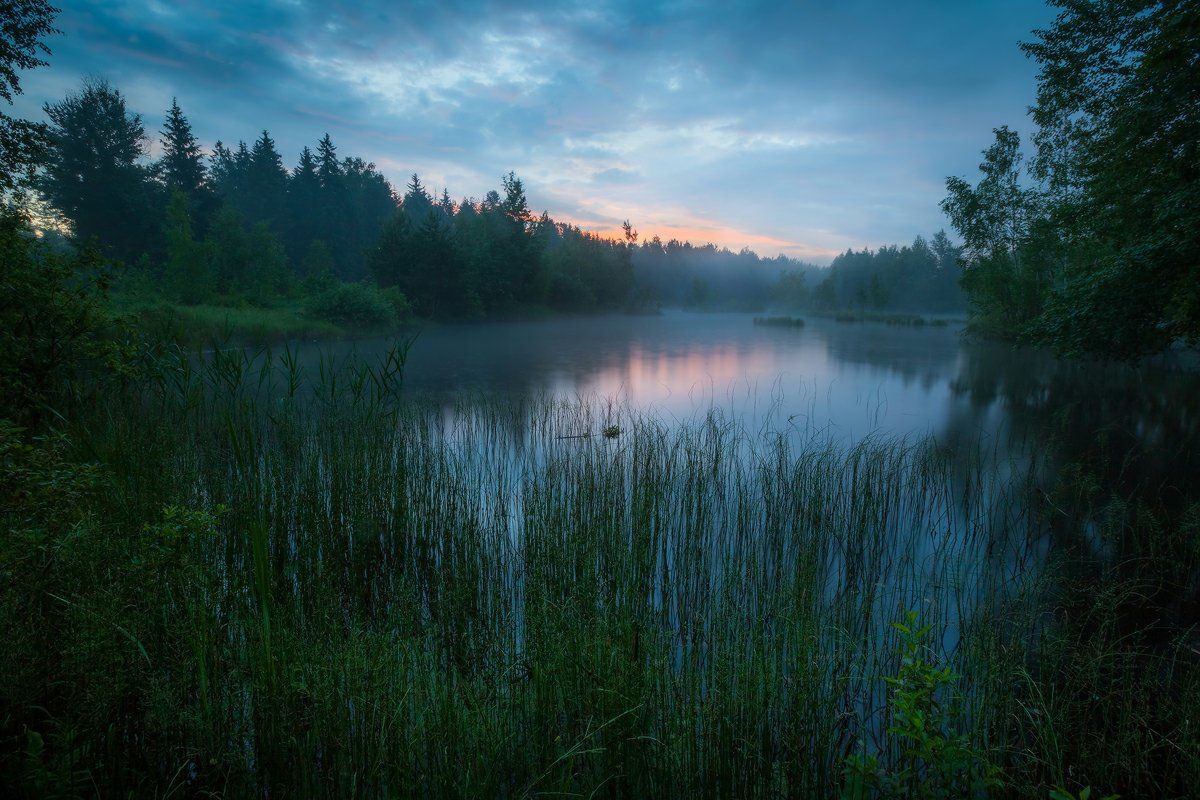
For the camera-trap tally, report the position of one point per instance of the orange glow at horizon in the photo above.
(702, 234)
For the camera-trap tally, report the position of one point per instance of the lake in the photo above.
(843, 381)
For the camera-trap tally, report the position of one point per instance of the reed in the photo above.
(339, 590)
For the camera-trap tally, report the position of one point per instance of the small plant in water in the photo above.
(611, 431)
(933, 759)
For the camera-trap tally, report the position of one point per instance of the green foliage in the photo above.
(93, 172)
(792, 291)
(188, 269)
(1009, 248)
(317, 268)
(922, 276)
(401, 308)
(202, 325)
(181, 167)
(52, 320)
(26, 24)
(699, 294)
(255, 230)
(264, 276)
(1099, 256)
(357, 305)
(1059, 793)
(932, 757)
(260, 595)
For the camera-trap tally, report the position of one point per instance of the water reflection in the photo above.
(851, 380)
(1133, 431)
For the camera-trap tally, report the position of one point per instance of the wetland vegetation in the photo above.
(662, 553)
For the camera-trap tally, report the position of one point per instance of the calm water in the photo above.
(845, 380)
(1000, 414)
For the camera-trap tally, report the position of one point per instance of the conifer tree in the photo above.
(187, 271)
(417, 203)
(303, 206)
(266, 183)
(182, 164)
(330, 169)
(221, 169)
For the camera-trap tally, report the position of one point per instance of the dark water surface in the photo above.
(847, 381)
(1028, 446)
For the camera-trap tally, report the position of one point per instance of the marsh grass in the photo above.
(311, 585)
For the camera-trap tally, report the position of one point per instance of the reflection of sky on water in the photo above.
(844, 380)
(984, 403)
(841, 382)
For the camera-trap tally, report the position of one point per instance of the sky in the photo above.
(801, 128)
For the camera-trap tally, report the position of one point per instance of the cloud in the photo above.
(798, 128)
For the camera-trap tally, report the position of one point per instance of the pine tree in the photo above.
(330, 168)
(304, 206)
(221, 169)
(332, 215)
(417, 203)
(515, 204)
(181, 165)
(266, 183)
(446, 206)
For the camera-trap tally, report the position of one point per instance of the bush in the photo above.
(356, 305)
(929, 757)
(400, 305)
(53, 321)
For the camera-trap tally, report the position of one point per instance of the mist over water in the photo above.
(841, 382)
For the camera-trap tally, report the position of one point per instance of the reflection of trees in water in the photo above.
(915, 355)
(1119, 447)
(1137, 426)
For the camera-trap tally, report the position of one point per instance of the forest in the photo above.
(237, 228)
(242, 557)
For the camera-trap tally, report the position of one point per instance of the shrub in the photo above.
(53, 321)
(399, 302)
(353, 305)
(933, 759)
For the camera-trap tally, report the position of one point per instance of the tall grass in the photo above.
(308, 584)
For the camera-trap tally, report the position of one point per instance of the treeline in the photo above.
(681, 274)
(233, 222)
(1092, 246)
(237, 226)
(475, 258)
(923, 276)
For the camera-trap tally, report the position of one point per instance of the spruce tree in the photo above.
(266, 183)
(181, 165)
(221, 170)
(303, 206)
(329, 169)
(332, 214)
(417, 203)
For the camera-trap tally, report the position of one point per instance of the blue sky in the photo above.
(802, 128)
